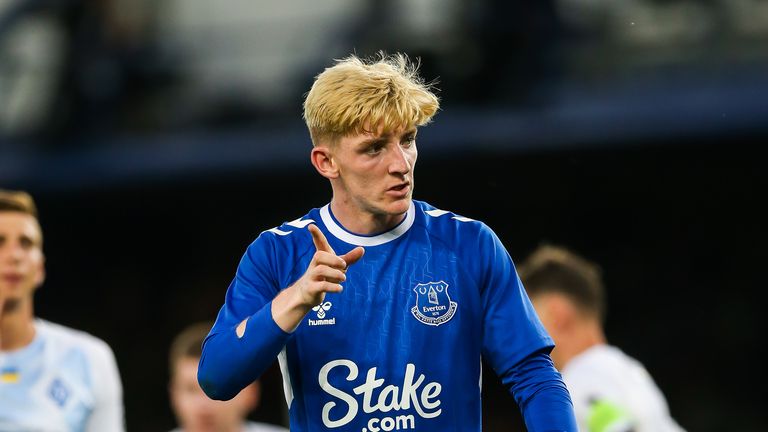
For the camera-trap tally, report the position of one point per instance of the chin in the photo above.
(399, 207)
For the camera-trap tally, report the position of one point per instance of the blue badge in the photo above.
(58, 392)
(433, 305)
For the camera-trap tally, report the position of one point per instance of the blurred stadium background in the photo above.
(160, 137)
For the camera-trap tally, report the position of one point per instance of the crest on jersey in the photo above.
(58, 392)
(433, 304)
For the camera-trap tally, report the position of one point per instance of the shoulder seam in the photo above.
(436, 213)
(296, 223)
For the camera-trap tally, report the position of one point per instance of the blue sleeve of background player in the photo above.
(228, 363)
(516, 344)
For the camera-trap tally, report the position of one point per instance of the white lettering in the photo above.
(319, 322)
(391, 397)
(405, 422)
(431, 390)
(387, 423)
(409, 392)
(390, 391)
(372, 425)
(333, 391)
(367, 390)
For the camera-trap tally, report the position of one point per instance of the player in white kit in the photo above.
(52, 378)
(611, 391)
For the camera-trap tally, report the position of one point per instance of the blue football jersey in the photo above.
(400, 348)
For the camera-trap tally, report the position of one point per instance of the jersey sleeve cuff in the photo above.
(262, 325)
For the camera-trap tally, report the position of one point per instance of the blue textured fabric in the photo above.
(400, 348)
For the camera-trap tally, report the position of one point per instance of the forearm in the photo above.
(550, 410)
(234, 357)
(541, 394)
(289, 309)
(229, 362)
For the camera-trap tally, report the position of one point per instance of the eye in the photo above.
(374, 148)
(26, 242)
(408, 141)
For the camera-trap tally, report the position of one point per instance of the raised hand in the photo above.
(326, 271)
(324, 274)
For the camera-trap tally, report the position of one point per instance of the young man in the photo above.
(194, 411)
(611, 391)
(52, 378)
(392, 340)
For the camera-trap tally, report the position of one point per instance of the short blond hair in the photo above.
(17, 201)
(20, 202)
(355, 94)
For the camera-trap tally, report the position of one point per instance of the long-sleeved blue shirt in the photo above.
(400, 348)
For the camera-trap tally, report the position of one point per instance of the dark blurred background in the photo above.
(160, 138)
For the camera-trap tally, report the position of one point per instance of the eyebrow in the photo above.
(22, 237)
(385, 137)
(373, 140)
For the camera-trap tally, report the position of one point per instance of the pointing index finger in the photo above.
(321, 243)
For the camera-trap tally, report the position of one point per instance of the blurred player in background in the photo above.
(391, 340)
(52, 378)
(194, 411)
(611, 391)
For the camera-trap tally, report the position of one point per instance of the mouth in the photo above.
(400, 190)
(12, 279)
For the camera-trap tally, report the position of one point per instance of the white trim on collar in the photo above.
(346, 236)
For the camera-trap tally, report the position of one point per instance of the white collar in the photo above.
(339, 232)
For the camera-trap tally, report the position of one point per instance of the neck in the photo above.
(17, 328)
(363, 222)
(580, 339)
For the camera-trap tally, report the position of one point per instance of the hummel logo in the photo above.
(321, 308)
(321, 313)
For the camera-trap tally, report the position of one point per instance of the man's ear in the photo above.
(563, 312)
(322, 160)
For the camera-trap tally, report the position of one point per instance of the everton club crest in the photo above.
(433, 305)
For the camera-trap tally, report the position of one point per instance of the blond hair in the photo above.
(17, 201)
(20, 202)
(359, 95)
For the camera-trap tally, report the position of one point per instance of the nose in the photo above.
(11, 252)
(400, 163)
